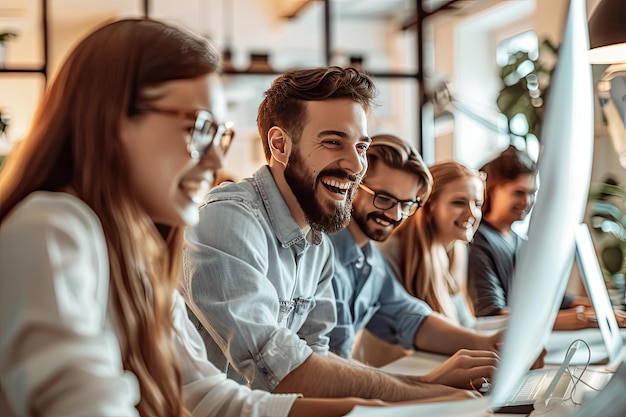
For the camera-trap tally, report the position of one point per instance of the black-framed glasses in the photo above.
(384, 201)
(206, 132)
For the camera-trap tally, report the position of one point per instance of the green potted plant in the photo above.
(525, 81)
(4, 124)
(607, 210)
(4, 37)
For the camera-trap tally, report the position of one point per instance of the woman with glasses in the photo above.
(429, 253)
(94, 201)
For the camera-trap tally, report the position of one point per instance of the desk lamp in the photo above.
(607, 32)
(607, 45)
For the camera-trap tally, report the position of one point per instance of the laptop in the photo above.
(539, 385)
(610, 347)
(543, 384)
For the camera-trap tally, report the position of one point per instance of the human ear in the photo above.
(126, 130)
(280, 145)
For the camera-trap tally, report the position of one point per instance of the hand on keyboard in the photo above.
(466, 369)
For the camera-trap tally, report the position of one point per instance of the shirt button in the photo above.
(273, 381)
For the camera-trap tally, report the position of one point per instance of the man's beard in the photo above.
(329, 218)
(374, 233)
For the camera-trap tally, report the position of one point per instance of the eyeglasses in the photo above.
(384, 201)
(204, 132)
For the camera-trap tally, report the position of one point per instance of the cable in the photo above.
(576, 379)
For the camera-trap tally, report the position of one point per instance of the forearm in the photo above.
(332, 376)
(313, 407)
(437, 334)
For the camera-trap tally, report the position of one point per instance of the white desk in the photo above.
(559, 341)
(421, 362)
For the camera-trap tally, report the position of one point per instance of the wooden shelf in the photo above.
(24, 70)
(374, 74)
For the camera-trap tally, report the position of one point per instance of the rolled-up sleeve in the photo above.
(206, 391)
(227, 285)
(400, 315)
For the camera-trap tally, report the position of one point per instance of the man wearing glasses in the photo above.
(258, 267)
(368, 294)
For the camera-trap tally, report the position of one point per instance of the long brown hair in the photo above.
(74, 143)
(423, 263)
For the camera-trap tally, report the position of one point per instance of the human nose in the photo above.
(395, 212)
(475, 212)
(211, 161)
(354, 161)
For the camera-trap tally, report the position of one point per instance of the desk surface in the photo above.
(423, 362)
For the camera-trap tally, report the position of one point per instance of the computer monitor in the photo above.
(594, 284)
(607, 347)
(545, 260)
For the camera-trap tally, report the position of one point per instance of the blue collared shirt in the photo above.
(258, 289)
(368, 295)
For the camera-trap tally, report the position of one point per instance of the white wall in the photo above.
(459, 46)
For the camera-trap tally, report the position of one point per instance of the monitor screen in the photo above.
(594, 284)
(545, 260)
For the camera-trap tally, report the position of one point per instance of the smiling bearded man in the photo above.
(328, 218)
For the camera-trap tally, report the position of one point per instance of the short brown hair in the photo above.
(398, 154)
(506, 167)
(283, 104)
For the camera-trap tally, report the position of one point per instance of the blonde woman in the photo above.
(429, 252)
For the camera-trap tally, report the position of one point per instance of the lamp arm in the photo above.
(612, 71)
(616, 121)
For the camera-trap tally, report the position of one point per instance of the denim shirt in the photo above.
(258, 290)
(368, 295)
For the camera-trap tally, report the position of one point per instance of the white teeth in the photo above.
(196, 198)
(381, 222)
(195, 190)
(337, 184)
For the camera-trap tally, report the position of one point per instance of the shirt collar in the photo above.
(284, 225)
(347, 249)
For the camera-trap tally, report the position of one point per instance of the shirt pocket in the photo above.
(292, 314)
(367, 316)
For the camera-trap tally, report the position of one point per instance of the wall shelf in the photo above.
(374, 74)
(45, 49)
(23, 70)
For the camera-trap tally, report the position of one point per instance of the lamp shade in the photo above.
(607, 32)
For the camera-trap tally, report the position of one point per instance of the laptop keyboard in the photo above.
(532, 385)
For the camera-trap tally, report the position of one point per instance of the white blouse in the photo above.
(59, 348)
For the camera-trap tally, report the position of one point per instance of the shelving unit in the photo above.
(416, 22)
(43, 70)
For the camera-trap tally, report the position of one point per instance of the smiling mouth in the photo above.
(384, 221)
(464, 225)
(337, 187)
(194, 190)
